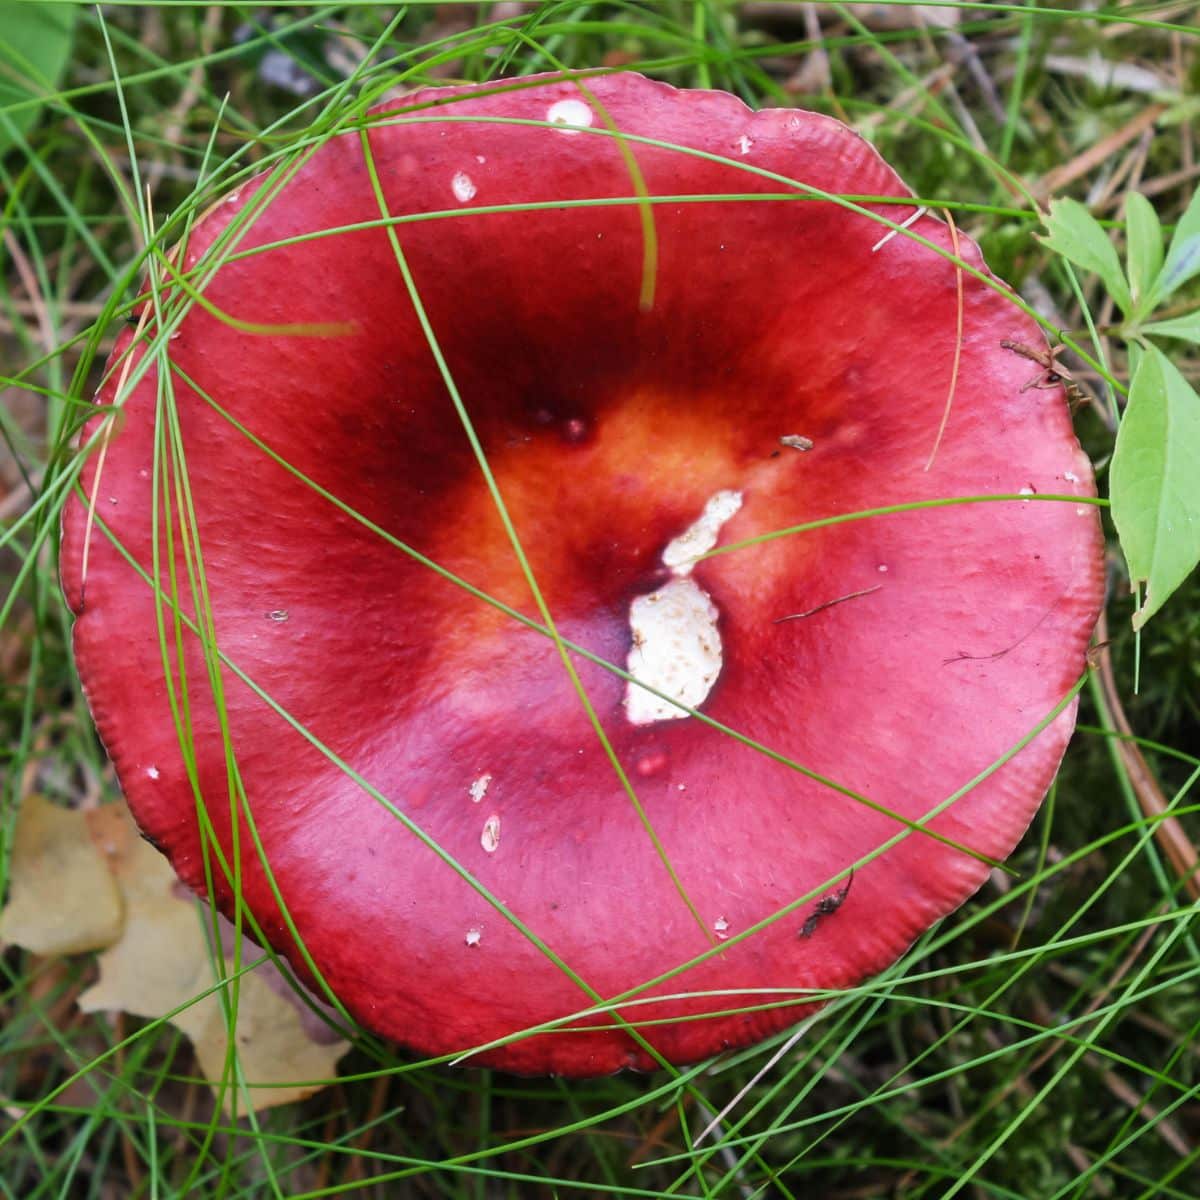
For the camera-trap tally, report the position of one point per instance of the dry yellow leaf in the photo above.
(163, 960)
(62, 896)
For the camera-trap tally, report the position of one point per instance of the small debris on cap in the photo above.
(489, 839)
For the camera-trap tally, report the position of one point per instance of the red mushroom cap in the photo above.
(378, 711)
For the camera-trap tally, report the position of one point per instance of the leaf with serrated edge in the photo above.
(1143, 249)
(1155, 486)
(162, 961)
(1187, 328)
(1078, 236)
(1183, 255)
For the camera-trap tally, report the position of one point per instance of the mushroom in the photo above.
(380, 729)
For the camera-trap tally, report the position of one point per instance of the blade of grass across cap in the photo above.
(177, 499)
(644, 210)
(169, 467)
(958, 341)
(141, 213)
(177, 507)
(599, 202)
(514, 540)
(315, 329)
(892, 509)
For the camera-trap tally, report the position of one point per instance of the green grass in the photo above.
(1040, 1043)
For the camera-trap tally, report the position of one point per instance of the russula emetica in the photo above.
(648, 382)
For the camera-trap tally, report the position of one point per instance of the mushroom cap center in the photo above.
(611, 507)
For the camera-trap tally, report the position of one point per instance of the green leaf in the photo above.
(1155, 483)
(1078, 236)
(1143, 250)
(1183, 257)
(1186, 328)
(1135, 357)
(34, 49)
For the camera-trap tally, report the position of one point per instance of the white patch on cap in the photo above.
(701, 536)
(489, 839)
(676, 644)
(480, 786)
(721, 928)
(153, 772)
(473, 937)
(463, 187)
(676, 650)
(1070, 477)
(570, 113)
(744, 143)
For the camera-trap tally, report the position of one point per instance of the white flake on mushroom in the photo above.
(463, 187)
(480, 786)
(473, 937)
(573, 115)
(676, 644)
(489, 839)
(701, 536)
